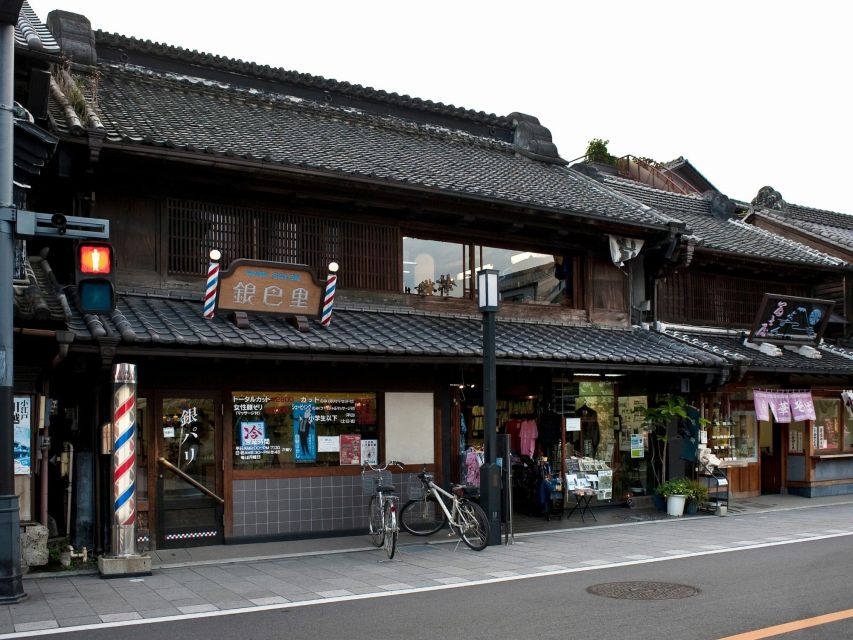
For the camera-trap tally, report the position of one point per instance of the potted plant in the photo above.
(697, 497)
(675, 490)
(658, 420)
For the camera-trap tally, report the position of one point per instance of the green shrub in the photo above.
(674, 487)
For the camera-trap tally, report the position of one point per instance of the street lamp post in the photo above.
(490, 473)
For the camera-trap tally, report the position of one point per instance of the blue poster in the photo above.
(22, 435)
(304, 432)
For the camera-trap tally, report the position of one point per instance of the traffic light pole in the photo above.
(11, 582)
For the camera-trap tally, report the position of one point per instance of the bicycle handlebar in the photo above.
(395, 463)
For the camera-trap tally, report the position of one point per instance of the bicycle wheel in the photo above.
(422, 517)
(390, 529)
(473, 525)
(374, 521)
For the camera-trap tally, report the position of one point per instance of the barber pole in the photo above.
(124, 460)
(212, 284)
(329, 297)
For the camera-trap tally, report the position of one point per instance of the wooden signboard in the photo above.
(270, 287)
(790, 320)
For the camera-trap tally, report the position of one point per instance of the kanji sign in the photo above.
(270, 287)
(790, 320)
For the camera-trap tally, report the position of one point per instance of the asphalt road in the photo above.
(737, 592)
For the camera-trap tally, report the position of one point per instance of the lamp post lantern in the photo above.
(490, 473)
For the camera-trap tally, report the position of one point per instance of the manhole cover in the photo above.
(643, 590)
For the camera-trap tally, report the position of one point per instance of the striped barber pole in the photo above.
(210, 290)
(124, 459)
(329, 297)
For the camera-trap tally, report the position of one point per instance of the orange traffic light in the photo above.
(95, 259)
(94, 271)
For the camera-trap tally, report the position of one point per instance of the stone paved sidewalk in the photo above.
(242, 583)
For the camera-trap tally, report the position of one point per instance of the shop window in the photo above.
(826, 432)
(525, 276)
(277, 430)
(367, 253)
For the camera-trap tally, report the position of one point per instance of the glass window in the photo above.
(827, 427)
(525, 276)
(275, 430)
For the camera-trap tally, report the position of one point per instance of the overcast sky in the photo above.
(753, 93)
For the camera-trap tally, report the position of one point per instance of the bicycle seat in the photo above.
(386, 488)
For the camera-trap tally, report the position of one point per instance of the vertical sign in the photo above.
(23, 434)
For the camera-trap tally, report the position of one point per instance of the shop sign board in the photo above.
(22, 434)
(790, 320)
(270, 287)
(350, 449)
(276, 429)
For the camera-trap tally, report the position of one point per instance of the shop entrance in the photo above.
(770, 437)
(189, 472)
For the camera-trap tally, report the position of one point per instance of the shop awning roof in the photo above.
(144, 323)
(730, 345)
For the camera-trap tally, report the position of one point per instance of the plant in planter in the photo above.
(675, 490)
(658, 420)
(697, 497)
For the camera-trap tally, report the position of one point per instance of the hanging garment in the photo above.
(513, 428)
(473, 461)
(528, 435)
(589, 430)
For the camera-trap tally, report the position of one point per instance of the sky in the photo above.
(752, 93)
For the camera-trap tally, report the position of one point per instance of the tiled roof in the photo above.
(142, 107)
(836, 228)
(730, 345)
(386, 331)
(31, 33)
(729, 235)
(39, 297)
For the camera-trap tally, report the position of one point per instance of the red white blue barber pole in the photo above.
(329, 297)
(124, 460)
(212, 284)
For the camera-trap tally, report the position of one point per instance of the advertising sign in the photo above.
(790, 320)
(637, 448)
(22, 434)
(270, 287)
(304, 432)
(350, 448)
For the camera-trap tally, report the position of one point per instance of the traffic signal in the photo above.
(95, 264)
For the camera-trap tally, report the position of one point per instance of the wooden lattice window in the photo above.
(368, 254)
(723, 301)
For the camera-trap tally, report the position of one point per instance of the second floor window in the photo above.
(367, 253)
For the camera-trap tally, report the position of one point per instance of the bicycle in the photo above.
(382, 508)
(427, 514)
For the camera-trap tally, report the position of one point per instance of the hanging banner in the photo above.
(622, 249)
(22, 434)
(786, 406)
(802, 407)
(847, 401)
(762, 405)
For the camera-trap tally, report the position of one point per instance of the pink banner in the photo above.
(762, 410)
(802, 407)
(780, 406)
(787, 406)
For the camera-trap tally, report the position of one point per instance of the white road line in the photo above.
(440, 587)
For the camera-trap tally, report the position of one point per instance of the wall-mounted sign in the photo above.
(22, 434)
(270, 287)
(790, 320)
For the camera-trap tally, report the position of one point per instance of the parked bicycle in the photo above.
(382, 507)
(436, 507)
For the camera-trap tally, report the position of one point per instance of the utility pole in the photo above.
(11, 582)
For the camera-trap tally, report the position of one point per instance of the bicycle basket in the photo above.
(372, 479)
